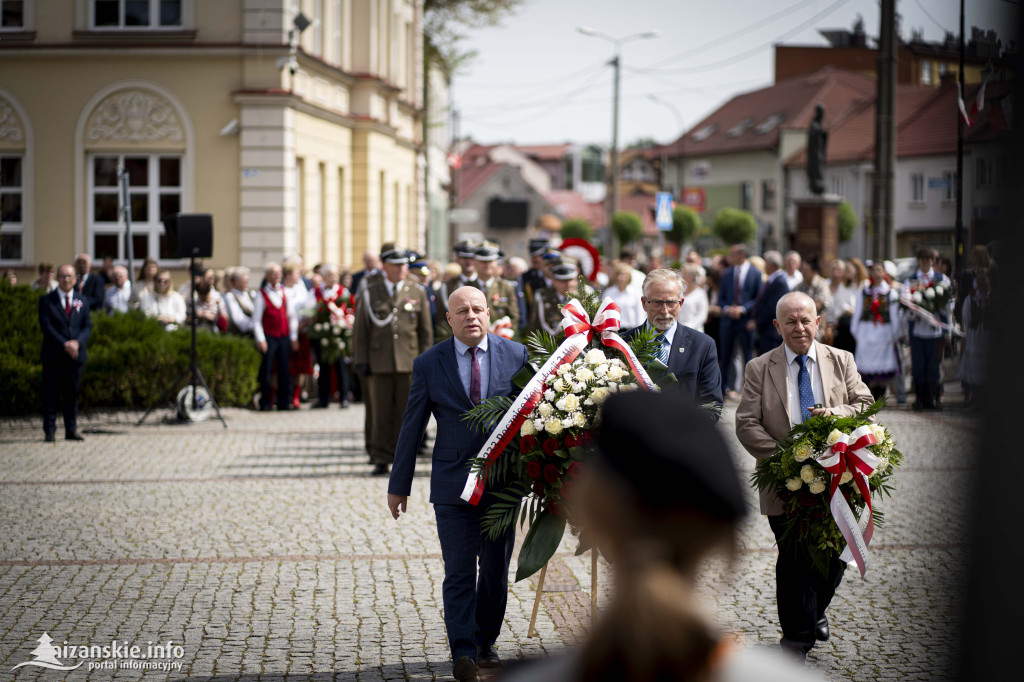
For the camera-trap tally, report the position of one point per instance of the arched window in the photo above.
(15, 182)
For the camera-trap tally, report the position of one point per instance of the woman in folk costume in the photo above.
(876, 327)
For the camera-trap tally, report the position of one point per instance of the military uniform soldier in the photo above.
(392, 327)
(534, 279)
(465, 254)
(500, 293)
(548, 302)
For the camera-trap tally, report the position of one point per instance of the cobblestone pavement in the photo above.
(266, 550)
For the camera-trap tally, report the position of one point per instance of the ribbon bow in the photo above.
(850, 453)
(875, 307)
(606, 322)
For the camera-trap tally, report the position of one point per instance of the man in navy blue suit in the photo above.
(763, 313)
(65, 322)
(447, 380)
(87, 285)
(736, 294)
(688, 353)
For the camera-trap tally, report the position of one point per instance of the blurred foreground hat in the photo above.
(890, 268)
(395, 256)
(551, 255)
(418, 261)
(566, 270)
(488, 252)
(537, 247)
(663, 447)
(466, 249)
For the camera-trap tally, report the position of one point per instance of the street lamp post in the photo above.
(613, 203)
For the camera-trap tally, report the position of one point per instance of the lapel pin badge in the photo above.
(681, 350)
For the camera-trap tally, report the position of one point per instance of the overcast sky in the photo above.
(537, 80)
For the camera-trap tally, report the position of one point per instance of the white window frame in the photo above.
(24, 26)
(917, 189)
(949, 195)
(154, 18)
(152, 227)
(19, 227)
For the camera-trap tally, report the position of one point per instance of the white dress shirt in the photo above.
(465, 361)
(118, 298)
(793, 371)
(694, 311)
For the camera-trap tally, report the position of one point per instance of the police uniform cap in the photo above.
(664, 448)
(564, 271)
(395, 256)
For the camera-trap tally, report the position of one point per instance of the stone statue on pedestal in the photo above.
(817, 139)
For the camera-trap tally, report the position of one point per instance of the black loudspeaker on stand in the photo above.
(190, 236)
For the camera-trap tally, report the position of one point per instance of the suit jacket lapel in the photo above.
(681, 339)
(450, 367)
(779, 373)
(825, 367)
(495, 363)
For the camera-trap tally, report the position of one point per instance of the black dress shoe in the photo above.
(464, 669)
(49, 438)
(487, 657)
(821, 632)
(319, 406)
(73, 436)
(382, 470)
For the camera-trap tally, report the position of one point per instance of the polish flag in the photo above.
(979, 101)
(968, 121)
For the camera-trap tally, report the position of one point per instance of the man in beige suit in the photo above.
(392, 327)
(800, 378)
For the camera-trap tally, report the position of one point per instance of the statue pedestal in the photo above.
(817, 228)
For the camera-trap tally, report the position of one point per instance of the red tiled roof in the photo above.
(545, 152)
(792, 100)
(926, 124)
(571, 204)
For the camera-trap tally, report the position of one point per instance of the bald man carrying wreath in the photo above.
(447, 381)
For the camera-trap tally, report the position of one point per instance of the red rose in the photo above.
(566, 491)
(587, 436)
(549, 446)
(575, 470)
(538, 488)
(554, 508)
(572, 440)
(533, 469)
(527, 443)
(550, 473)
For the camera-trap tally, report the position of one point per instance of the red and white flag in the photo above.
(968, 121)
(979, 100)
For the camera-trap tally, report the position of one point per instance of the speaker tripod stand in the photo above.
(191, 405)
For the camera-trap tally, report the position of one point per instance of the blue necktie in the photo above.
(803, 382)
(663, 351)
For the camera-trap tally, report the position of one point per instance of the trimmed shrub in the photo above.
(628, 226)
(685, 223)
(579, 228)
(847, 221)
(132, 361)
(734, 226)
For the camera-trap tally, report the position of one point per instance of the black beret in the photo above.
(669, 453)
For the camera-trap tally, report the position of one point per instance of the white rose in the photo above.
(807, 474)
(817, 487)
(833, 437)
(324, 341)
(629, 387)
(569, 403)
(601, 370)
(579, 420)
(917, 297)
(595, 357)
(794, 483)
(564, 369)
(549, 395)
(845, 478)
(878, 432)
(528, 428)
(568, 422)
(883, 464)
(584, 374)
(561, 385)
(803, 451)
(599, 395)
(578, 387)
(615, 373)
(545, 410)
(553, 426)
(939, 290)
(929, 294)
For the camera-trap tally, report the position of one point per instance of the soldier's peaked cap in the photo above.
(395, 256)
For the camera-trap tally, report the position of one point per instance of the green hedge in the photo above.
(132, 360)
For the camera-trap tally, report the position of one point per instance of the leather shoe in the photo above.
(821, 632)
(49, 438)
(73, 436)
(487, 657)
(382, 470)
(465, 668)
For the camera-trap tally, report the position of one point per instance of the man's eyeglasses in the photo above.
(658, 304)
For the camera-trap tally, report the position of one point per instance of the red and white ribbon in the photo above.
(850, 453)
(503, 327)
(928, 317)
(579, 330)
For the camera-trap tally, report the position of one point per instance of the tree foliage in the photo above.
(579, 228)
(735, 226)
(685, 223)
(847, 221)
(628, 226)
(445, 23)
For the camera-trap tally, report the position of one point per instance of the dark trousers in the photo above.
(801, 591)
(323, 382)
(388, 395)
(279, 352)
(924, 359)
(729, 332)
(474, 603)
(61, 377)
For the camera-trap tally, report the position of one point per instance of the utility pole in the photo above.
(958, 252)
(613, 203)
(884, 238)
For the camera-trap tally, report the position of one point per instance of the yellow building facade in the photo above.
(295, 123)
